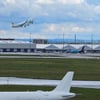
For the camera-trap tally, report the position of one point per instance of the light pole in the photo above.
(92, 41)
(63, 30)
(30, 41)
(75, 38)
(63, 41)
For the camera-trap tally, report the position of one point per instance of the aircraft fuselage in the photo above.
(39, 95)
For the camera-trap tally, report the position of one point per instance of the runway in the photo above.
(50, 55)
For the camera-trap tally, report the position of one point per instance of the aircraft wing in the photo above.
(86, 84)
(46, 82)
(26, 81)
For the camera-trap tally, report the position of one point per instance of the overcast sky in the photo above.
(52, 18)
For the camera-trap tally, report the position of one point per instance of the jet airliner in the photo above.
(77, 51)
(61, 92)
(22, 24)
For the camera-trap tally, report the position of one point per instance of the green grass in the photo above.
(85, 69)
(86, 94)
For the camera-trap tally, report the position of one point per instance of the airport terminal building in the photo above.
(17, 47)
(41, 46)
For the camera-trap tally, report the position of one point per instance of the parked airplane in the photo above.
(22, 24)
(77, 51)
(61, 92)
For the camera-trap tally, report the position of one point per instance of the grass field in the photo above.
(85, 69)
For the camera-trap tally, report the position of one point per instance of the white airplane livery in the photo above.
(61, 92)
(22, 24)
(47, 82)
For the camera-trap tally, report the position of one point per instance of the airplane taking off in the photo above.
(61, 92)
(23, 24)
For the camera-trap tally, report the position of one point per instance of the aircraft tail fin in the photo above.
(82, 50)
(65, 84)
(12, 23)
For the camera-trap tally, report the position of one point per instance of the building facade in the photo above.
(17, 47)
